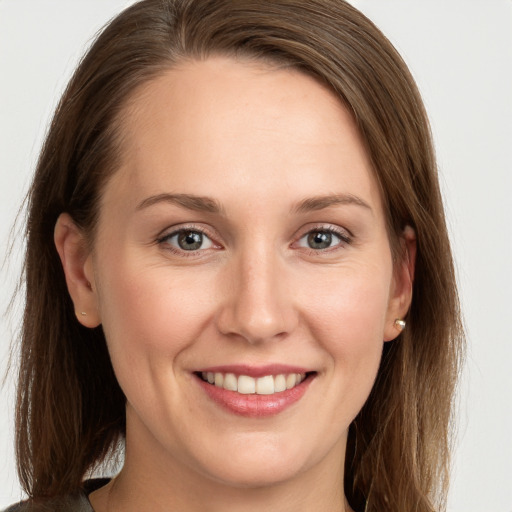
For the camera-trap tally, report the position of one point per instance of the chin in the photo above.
(260, 464)
(265, 475)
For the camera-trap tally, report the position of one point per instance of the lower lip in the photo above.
(253, 405)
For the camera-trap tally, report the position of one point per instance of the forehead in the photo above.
(203, 125)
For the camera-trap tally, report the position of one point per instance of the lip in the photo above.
(254, 405)
(255, 371)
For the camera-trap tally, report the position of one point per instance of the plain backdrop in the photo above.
(460, 52)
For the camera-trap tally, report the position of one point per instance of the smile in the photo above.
(247, 385)
(255, 392)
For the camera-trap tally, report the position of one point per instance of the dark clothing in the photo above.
(77, 502)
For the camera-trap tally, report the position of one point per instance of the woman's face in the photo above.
(243, 236)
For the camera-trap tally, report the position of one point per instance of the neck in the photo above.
(181, 493)
(151, 483)
(159, 479)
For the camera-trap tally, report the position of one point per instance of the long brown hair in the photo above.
(70, 410)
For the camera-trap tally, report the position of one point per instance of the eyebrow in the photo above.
(320, 202)
(189, 201)
(210, 205)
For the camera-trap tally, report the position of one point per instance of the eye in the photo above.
(322, 239)
(188, 240)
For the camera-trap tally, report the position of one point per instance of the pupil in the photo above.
(190, 240)
(319, 240)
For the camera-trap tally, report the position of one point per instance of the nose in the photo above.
(257, 302)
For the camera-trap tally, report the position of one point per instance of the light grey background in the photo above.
(460, 52)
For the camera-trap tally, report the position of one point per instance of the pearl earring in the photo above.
(400, 324)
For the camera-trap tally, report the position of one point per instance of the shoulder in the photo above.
(76, 502)
(71, 503)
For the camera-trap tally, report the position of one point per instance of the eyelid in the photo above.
(343, 234)
(170, 232)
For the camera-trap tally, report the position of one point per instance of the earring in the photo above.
(400, 324)
(83, 313)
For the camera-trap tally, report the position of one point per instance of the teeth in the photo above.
(267, 385)
(291, 380)
(246, 385)
(219, 380)
(279, 383)
(230, 382)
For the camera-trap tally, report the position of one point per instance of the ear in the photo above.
(401, 288)
(76, 261)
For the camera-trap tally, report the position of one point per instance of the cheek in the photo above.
(348, 319)
(150, 314)
(350, 305)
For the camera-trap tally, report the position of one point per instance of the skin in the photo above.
(258, 141)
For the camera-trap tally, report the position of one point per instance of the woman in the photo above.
(236, 230)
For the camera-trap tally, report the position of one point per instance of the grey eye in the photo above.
(320, 239)
(189, 240)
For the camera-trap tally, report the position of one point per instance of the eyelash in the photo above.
(165, 240)
(344, 237)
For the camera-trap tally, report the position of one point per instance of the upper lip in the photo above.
(255, 371)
